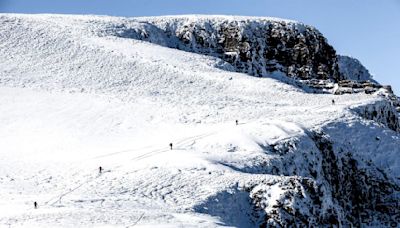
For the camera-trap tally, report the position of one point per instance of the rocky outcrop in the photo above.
(363, 192)
(352, 69)
(314, 180)
(261, 47)
(255, 46)
(258, 47)
(353, 86)
(381, 112)
(340, 189)
(294, 201)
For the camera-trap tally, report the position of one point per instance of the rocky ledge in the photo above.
(260, 47)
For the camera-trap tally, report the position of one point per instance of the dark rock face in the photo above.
(363, 192)
(383, 113)
(354, 86)
(256, 47)
(259, 47)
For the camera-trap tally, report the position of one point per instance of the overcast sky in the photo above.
(366, 29)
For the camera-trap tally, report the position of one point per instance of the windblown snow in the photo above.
(74, 97)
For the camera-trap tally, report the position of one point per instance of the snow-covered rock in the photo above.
(352, 69)
(79, 92)
(255, 46)
(382, 112)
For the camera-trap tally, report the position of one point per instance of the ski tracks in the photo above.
(181, 143)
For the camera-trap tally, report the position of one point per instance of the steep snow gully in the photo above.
(269, 126)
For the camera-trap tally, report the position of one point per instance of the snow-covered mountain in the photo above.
(79, 92)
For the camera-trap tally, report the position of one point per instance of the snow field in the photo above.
(73, 98)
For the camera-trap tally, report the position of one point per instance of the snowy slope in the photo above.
(74, 96)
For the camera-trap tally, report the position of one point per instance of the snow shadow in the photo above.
(145, 31)
(247, 169)
(233, 207)
(273, 162)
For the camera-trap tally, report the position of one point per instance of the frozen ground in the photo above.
(71, 101)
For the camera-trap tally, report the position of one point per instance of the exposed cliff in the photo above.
(255, 46)
(339, 187)
(382, 112)
(258, 47)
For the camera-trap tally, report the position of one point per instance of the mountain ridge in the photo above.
(79, 92)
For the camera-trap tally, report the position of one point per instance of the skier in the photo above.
(333, 101)
(100, 169)
(170, 145)
(35, 205)
(237, 122)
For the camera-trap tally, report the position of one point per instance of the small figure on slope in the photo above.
(333, 102)
(35, 205)
(170, 145)
(100, 169)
